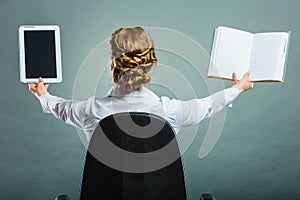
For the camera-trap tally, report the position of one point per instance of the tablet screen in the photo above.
(40, 55)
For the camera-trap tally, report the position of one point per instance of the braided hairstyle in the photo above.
(132, 55)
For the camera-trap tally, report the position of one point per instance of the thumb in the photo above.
(41, 83)
(234, 78)
(41, 89)
(40, 80)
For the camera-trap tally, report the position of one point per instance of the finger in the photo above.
(234, 78)
(32, 87)
(249, 85)
(46, 85)
(247, 74)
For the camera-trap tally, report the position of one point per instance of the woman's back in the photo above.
(132, 57)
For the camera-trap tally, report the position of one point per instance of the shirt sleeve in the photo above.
(76, 113)
(192, 112)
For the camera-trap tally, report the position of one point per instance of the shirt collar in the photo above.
(142, 92)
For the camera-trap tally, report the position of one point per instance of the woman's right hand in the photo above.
(244, 84)
(39, 88)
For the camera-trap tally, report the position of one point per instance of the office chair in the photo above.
(108, 174)
(125, 130)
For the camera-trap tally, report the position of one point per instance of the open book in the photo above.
(263, 54)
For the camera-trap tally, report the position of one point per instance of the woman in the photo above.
(132, 57)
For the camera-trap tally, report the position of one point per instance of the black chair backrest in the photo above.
(148, 173)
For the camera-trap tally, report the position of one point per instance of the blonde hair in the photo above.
(133, 55)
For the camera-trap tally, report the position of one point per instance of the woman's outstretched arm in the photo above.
(75, 113)
(193, 111)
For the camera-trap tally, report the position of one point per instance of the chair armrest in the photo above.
(207, 196)
(62, 197)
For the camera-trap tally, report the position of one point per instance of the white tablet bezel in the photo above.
(24, 28)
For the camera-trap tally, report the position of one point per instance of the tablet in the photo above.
(39, 53)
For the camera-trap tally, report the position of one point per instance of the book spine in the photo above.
(211, 69)
(286, 52)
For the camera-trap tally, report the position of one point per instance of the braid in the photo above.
(133, 54)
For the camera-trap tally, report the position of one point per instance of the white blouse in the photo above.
(86, 114)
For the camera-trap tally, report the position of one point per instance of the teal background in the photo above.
(258, 153)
